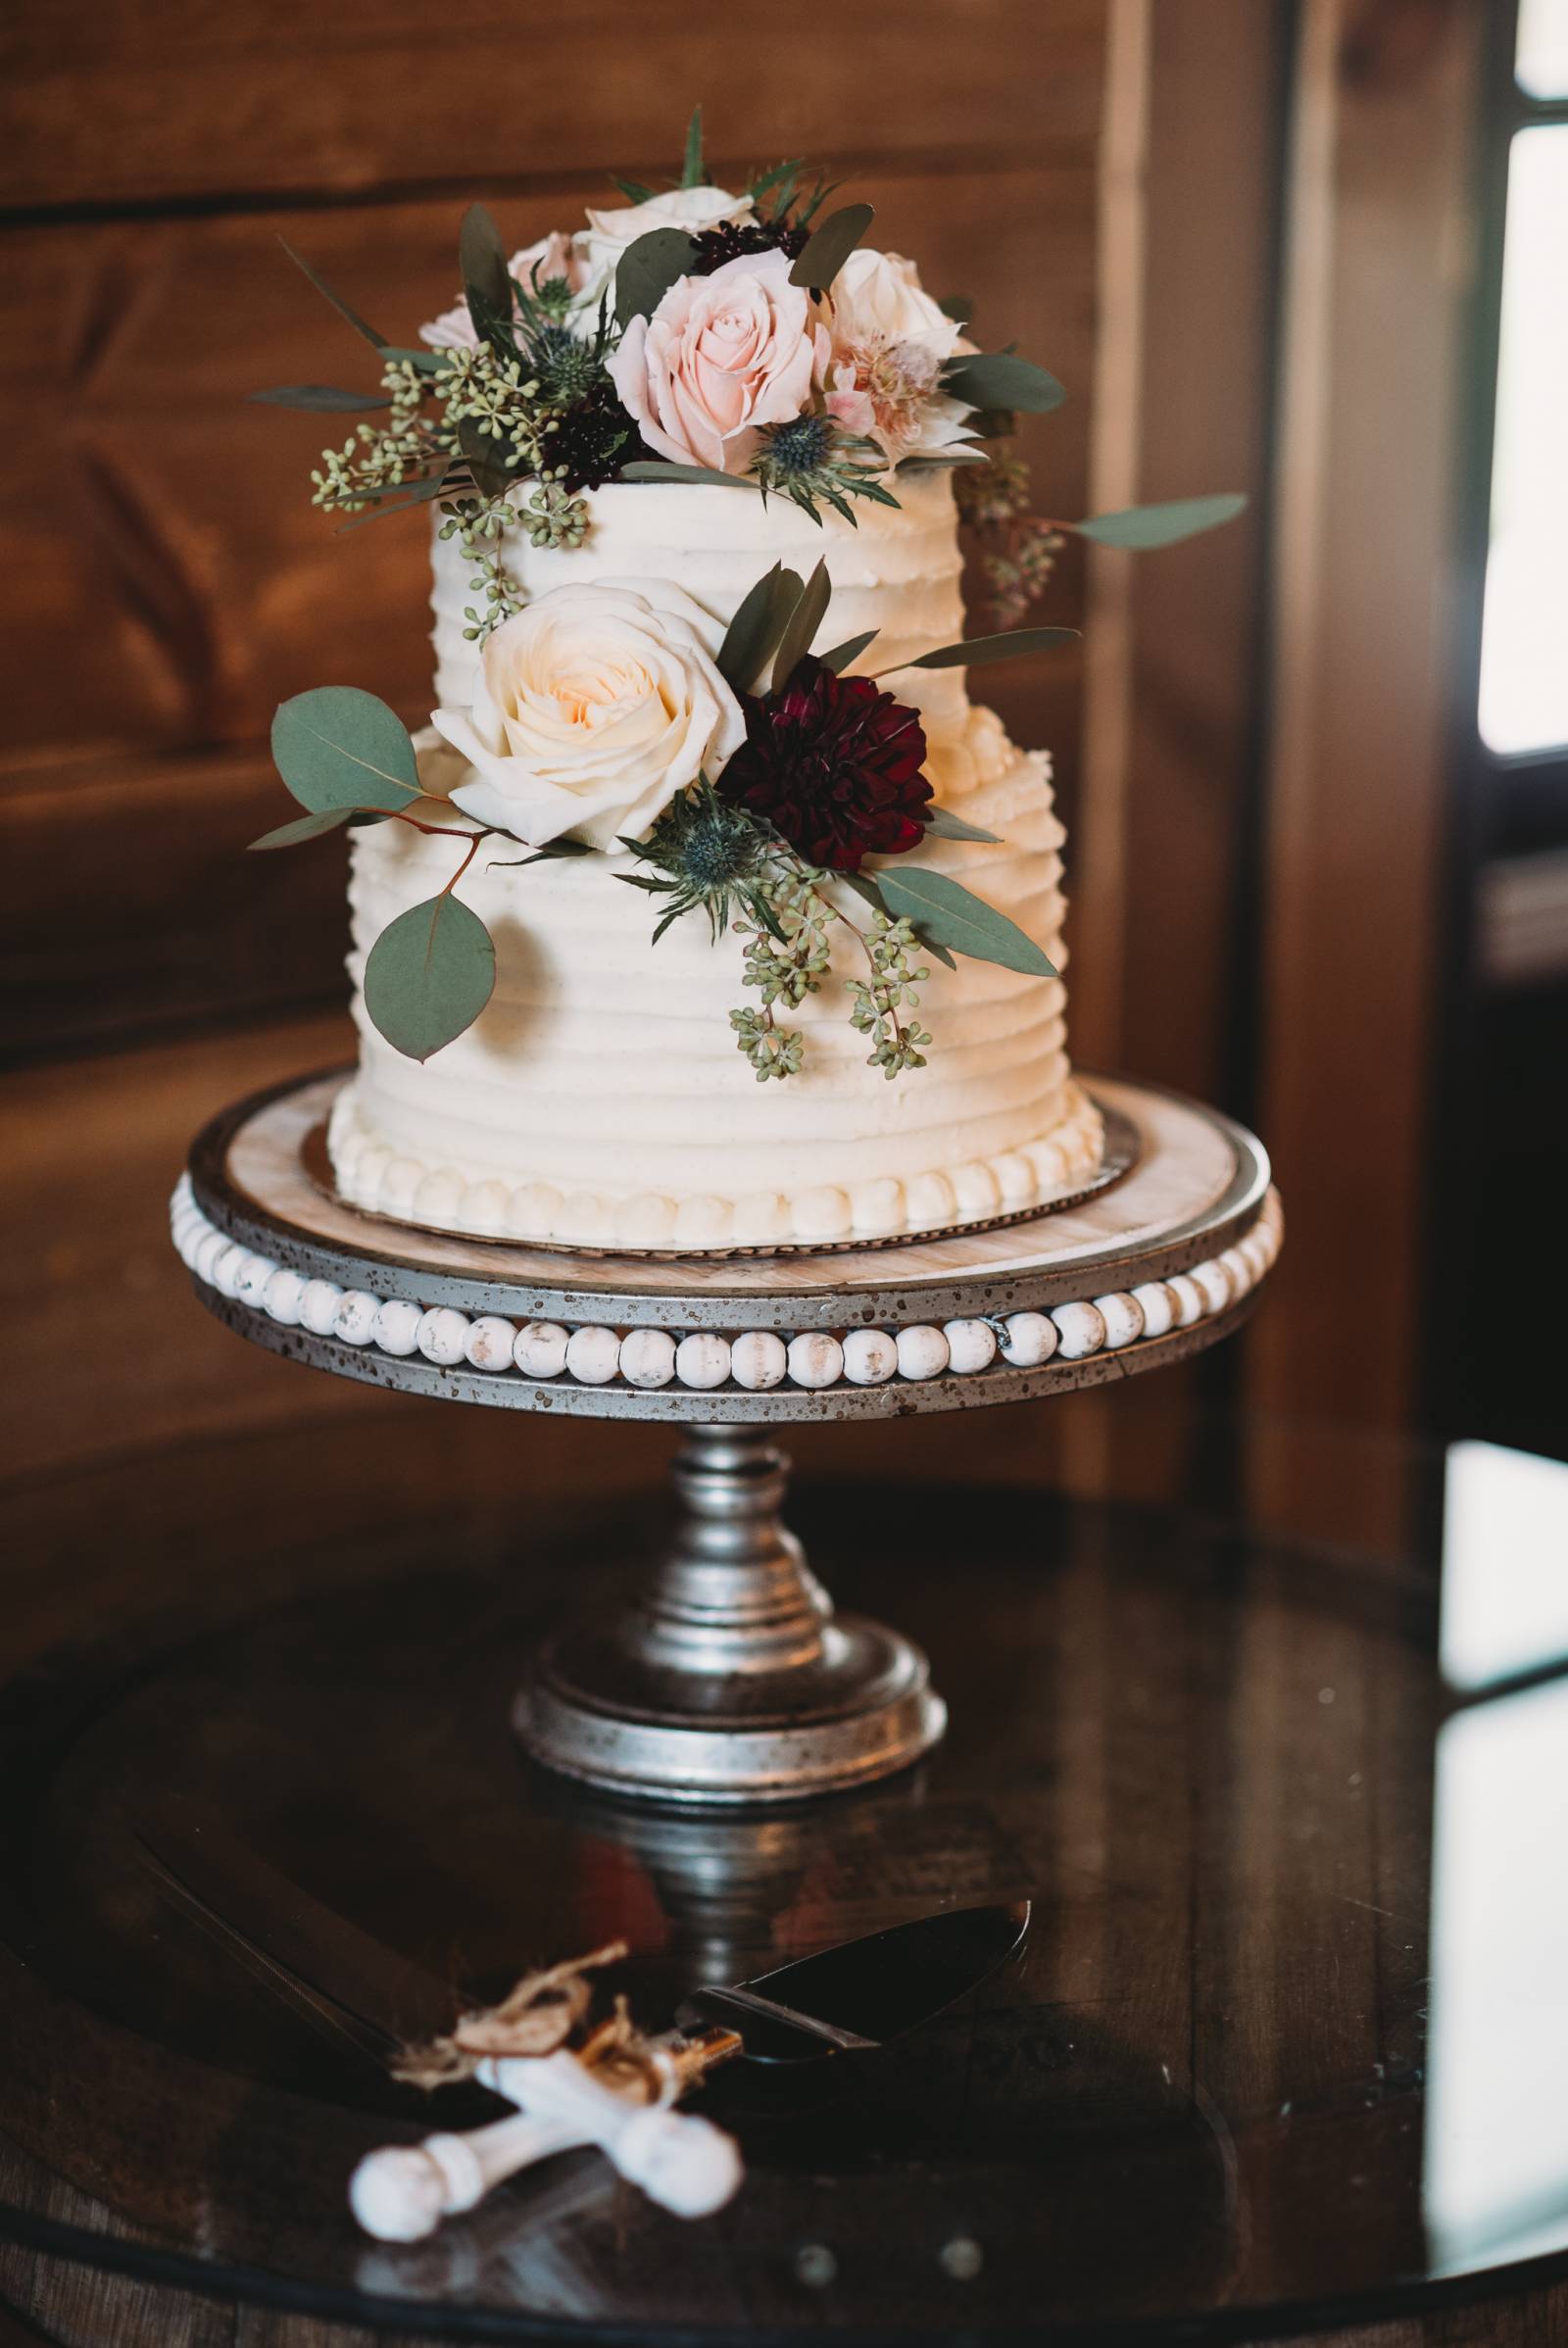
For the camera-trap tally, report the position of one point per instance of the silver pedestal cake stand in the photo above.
(732, 1680)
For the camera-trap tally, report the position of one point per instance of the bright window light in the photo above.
(1524, 640)
(1540, 57)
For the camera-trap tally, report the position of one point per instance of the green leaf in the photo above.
(648, 268)
(486, 282)
(551, 852)
(322, 399)
(656, 468)
(1144, 526)
(830, 247)
(376, 341)
(811, 607)
(1002, 379)
(765, 181)
(979, 652)
(418, 493)
(751, 637)
(632, 189)
(942, 825)
(485, 458)
(949, 914)
(429, 975)
(303, 827)
(427, 363)
(691, 169)
(864, 884)
(959, 307)
(840, 658)
(338, 747)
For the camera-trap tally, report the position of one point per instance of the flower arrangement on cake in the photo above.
(616, 428)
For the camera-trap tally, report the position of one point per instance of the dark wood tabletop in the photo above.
(1203, 2102)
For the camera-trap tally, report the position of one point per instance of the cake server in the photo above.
(855, 1997)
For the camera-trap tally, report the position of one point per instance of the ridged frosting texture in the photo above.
(600, 1099)
(898, 571)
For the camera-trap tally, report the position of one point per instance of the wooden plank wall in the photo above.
(164, 582)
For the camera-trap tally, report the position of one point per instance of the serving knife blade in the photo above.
(855, 1997)
(864, 1994)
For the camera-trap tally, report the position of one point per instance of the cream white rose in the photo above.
(554, 256)
(890, 343)
(694, 208)
(592, 708)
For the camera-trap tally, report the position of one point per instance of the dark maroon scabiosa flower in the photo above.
(731, 238)
(833, 764)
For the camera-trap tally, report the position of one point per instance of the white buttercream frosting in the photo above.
(600, 1099)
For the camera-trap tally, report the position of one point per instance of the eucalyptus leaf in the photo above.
(648, 268)
(377, 342)
(691, 169)
(341, 749)
(842, 654)
(486, 281)
(424, 362)
(1144, 526)
(980, 652)
(632, 189)
(415, 492)
(830, 247)
(656, 468)
(484, 458)
(959, 307)
(1002, 379)
(429, 975)
(752, 635)
(942, 825)
(303, 827)
(322, 399)
(811, 608)
(864, 884)
(947, 914)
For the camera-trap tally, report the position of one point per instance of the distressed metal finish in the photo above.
(731, 1680)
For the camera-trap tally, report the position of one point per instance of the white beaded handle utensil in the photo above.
(401, 2192)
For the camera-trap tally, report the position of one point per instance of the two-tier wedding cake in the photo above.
(709, 911)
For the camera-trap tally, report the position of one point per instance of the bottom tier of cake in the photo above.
(599, 1100)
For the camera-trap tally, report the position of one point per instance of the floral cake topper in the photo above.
(749, 341)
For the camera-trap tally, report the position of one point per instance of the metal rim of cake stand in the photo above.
(730, 1680)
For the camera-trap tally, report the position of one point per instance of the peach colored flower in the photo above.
(720, 355)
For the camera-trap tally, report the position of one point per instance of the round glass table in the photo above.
(1286, 2045)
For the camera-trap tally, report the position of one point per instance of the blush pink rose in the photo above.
(720, 355)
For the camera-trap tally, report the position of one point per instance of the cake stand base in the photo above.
(730, 1680)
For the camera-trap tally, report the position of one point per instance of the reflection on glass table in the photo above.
(1495, 2154)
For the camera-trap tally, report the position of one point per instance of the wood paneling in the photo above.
(1184, 368)
(1377, 286)
(168, 581)
(204, 99)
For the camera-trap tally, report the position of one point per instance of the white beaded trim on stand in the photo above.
(756, 1360)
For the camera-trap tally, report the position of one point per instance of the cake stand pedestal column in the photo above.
(730, 1677)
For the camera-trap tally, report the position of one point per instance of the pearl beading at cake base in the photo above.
(639, 1358)
(373, 1175)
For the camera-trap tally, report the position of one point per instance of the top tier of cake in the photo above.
(896, 571)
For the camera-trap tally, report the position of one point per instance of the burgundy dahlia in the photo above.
(731, 238)
(833, 764)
